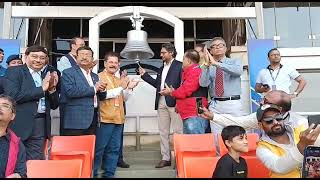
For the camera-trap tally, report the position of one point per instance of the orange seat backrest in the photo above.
(199, 167)
(54, 168)
(253, 138)
(84, 156)
(256, 168)
(74, 146)
(195, 145)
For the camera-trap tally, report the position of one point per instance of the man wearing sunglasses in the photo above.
(281, 146)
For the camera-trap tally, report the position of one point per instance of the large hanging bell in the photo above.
(137, 47)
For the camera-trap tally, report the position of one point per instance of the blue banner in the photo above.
(257, 59)
(9, 46)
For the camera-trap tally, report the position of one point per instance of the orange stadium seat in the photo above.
(199, 167)
(54, 168)
(192, 145)
(75, 147)
(253, 138)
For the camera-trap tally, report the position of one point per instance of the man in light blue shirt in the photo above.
(222, 76)
(69, 60)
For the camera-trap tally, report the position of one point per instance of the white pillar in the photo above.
(260, 21)
(94, 34)
(6, 25)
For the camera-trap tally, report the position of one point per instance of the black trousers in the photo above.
(89, 131)
(35, 143)
(61, 111)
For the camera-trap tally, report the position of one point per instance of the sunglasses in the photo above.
(269, 120)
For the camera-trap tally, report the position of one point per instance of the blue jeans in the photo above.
(121, 146)
(107, 149)
(195, 125)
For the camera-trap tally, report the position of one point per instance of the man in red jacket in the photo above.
(189, 93)
(12, 151)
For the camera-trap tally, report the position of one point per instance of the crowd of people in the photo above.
(201, 94)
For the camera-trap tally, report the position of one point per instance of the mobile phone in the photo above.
(314, 119)
(265, 85)
(311, 162)
(199, 105)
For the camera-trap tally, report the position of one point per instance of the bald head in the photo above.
(279, 98)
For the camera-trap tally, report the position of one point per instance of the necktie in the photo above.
(219, 82)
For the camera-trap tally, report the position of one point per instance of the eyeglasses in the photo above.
(269, 120)
(5, 106)
(216, 46)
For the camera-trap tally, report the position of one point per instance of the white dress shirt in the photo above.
(90, 82)
(38, 81)
(166, 67)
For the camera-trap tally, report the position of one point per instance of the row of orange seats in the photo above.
(196, 155)
(66, 155)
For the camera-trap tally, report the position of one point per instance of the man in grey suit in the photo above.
(80, 90)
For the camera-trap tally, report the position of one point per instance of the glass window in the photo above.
(315, 26)
(252, 30)
(62, 45)
(188, 28)
(269, 23)
(85, 28)
(158, 29)
(115, 29)
(104, 47)
(293, 25)
(208, 29)
(65, 28)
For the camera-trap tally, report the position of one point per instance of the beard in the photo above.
(276, 133)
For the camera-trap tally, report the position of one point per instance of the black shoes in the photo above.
(123, 164)
(163, 163)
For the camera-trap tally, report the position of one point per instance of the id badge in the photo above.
(274, 87)
(116, 102)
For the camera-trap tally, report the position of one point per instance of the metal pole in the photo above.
(6, 26)
(260, 21)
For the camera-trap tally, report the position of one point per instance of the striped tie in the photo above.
(219, 82)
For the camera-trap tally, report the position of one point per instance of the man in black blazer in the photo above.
(170, 74)
(35, 96)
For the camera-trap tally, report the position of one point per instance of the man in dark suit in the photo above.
(170, 74)
(81, 91)
(35, 96)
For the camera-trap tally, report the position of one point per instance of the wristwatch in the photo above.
(296, 93)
